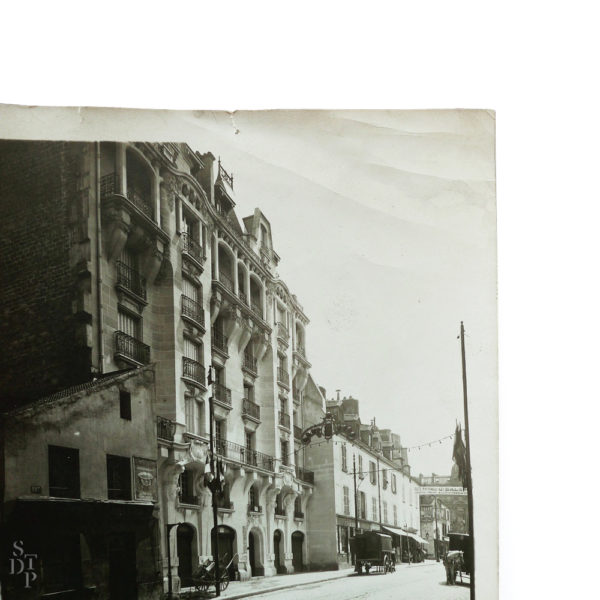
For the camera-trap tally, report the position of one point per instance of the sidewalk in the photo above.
(264, 585)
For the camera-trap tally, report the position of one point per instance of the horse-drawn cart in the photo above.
(373, 549)
(204, 577)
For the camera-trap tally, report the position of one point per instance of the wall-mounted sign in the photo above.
(144, 473)
(36, 489)
(442, 490)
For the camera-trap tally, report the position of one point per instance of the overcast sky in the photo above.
(385, 225)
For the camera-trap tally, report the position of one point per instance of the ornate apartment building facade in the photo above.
(131, 254)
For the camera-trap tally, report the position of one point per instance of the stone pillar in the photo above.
(235, 272)
(121, 161)
(216, 254)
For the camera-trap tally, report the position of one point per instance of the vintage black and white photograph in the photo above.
(248, 354)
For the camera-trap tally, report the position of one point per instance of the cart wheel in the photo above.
(224, 581)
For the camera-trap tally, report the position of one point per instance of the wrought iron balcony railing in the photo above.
(192, 247)
(284, 419)
(192, 310)
(251, 409)
(219, 340)
(165, 429)
(226, 281)
(301, 350)
(283, 376)
(193, 370)
(222, 394)
(244, 455)
(129, 347)
(250, 362)
(243, 297)
(256, 508)
(109, 185)
(140, 199)
(297, 432)
(279, 511)
(298, 514)
(131, 280)
(305, 475)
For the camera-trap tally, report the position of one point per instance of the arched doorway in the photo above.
(297, 548)
(278, 551)
(185, 552)
(227, 546)
(255, 553)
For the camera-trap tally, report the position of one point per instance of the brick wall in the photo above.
(40, 216)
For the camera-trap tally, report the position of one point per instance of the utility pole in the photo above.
(379, 494)
(355, 506)
(468, 449)
(437, 535)
(214, 484)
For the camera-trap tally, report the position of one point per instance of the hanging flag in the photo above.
(459, 456)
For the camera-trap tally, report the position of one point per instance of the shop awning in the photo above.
(414, 536)
(395, 531)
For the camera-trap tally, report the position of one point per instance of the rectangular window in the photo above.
(393, 484)
(374, 505)
(346, 500)
(395, 515)
(403, 491)
(385, 512)
(362, 504)
(284, 453)
(344, 459)
(129, 325)
(189, 414)
(360, 467)
(219, 430)
(372, 472)
(192, 350)
(125, 405)
(342, 539)
(118, 471)
(63, 472)
(249, 440)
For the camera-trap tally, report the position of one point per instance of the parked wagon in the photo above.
(373, 549)
(204, 577)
